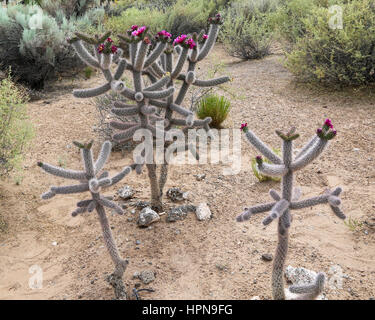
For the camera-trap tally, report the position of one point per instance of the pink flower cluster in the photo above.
(244, 127)
(327, 129)
(164, 33)
(107, 47)
(216, 19)
(190, 42)
(205, 36)
(185, 42)
(137, 32)
(328, 123)
(180, 39)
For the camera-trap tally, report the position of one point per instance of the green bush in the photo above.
(246, 32)
(176, 16)
(288, 19)
(340, 56)
(153, 18)
(38, 54)
(214, 106)
(15, 129)
(190, 16)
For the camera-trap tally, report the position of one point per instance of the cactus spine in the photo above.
(288, 200)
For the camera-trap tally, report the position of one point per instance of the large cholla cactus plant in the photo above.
(93, 181)
(158, 66)
(282, 205)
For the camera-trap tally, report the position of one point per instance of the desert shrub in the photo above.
(69, 7)
(37, 54)
(190, 16)
(246, 32)
(15, 129)
(176, 16)
(153, 18)
(288, 19)
(214, 106)
(340, 56)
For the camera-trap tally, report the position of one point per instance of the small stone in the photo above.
(179, 213)
(255, 298)
(136, 275)
(54, 243)
(130, 219)
(147, 217)
(356, 149)
(132, 211)
(147, 276)
(137, 242)
(125, 192)
(267, 257)
(200, 177)
(175, 194)
(142, 204)
(203, 212)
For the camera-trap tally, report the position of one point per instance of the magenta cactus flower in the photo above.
(134, 27)
(259, 160)
(328, 123)
(163, 35)
(139, 31)
(114, 49)
(101, 48)
(205, 37)
(327, 131)
(190, 42)
(180, 39)
(107, 47)
(244, 127)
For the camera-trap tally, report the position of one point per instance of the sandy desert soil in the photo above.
(215, 259)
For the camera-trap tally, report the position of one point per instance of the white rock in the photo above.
(300, 276)
(255, 298)
(54, 243)
(147, 216)
(203, 212)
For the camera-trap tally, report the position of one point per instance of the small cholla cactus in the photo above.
(282, 204)
(158, 65)
(93, 180)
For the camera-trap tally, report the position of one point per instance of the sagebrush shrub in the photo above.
(246, 32)
(37, 54)
(337, 56)
(214, 106)
(15, 129)
(153, 18)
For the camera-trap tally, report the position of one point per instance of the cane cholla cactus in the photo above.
(158, 66)
(93, 180)
(283, 203)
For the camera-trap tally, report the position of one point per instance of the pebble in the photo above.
(146, 217)
(145, 276)
(126, 192)
(200, 177)
(203, 212)
(137, 242)
(267, 257)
